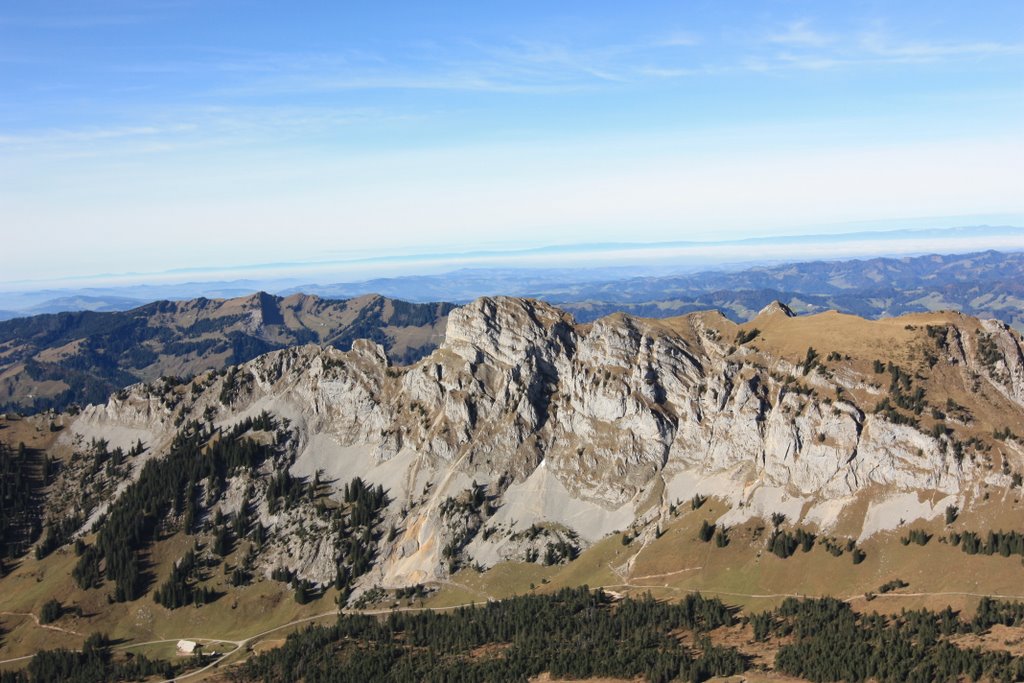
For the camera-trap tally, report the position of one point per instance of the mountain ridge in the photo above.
(593, 416)
(54, 360)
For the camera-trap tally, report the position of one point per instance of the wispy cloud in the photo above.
(914, 51)
(677, 72)
(198, 128)
(544, 63)
(808, 62)
(514, 67)
(229, 100)
(806, 48)
(679, 39)
(528, 66)
(800, 34)
(88, 134)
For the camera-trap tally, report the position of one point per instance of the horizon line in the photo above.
(539, 250)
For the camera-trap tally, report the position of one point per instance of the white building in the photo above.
(188, 647)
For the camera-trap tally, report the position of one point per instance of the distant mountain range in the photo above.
(536, 271)
(986, 284)
(585, 265)
(55, 360)
(81, 302)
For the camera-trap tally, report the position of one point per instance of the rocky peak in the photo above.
(508, 330)
(777, 308)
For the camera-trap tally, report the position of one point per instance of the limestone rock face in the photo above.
(1000, 358)
(587, 428)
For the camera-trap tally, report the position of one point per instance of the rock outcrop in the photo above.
(525, 429)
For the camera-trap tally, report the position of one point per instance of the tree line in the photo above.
(19, 514)
(574, 633)
(578, 633)
(831, 642)
(95, 662)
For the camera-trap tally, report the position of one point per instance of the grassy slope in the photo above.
(238, 614)
(668, 567)
(744, 571)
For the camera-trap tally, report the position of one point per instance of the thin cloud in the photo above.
(545, 61)
(679, 39)
(198, 128)
(519, 67)
(811, 50)
(237, 79)
(539, 67)
(787, 60)
(90, 134)
(674, 72)
(877, 44)
(800, 33)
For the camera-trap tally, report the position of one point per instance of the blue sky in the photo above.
(145, 136)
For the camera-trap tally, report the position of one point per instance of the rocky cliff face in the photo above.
(525, 432)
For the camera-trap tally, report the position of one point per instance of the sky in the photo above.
(156, 135)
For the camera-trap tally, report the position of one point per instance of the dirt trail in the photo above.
(245, 641)
(50, 627)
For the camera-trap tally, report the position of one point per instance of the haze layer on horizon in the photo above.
(152, 137)
(572, 261)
